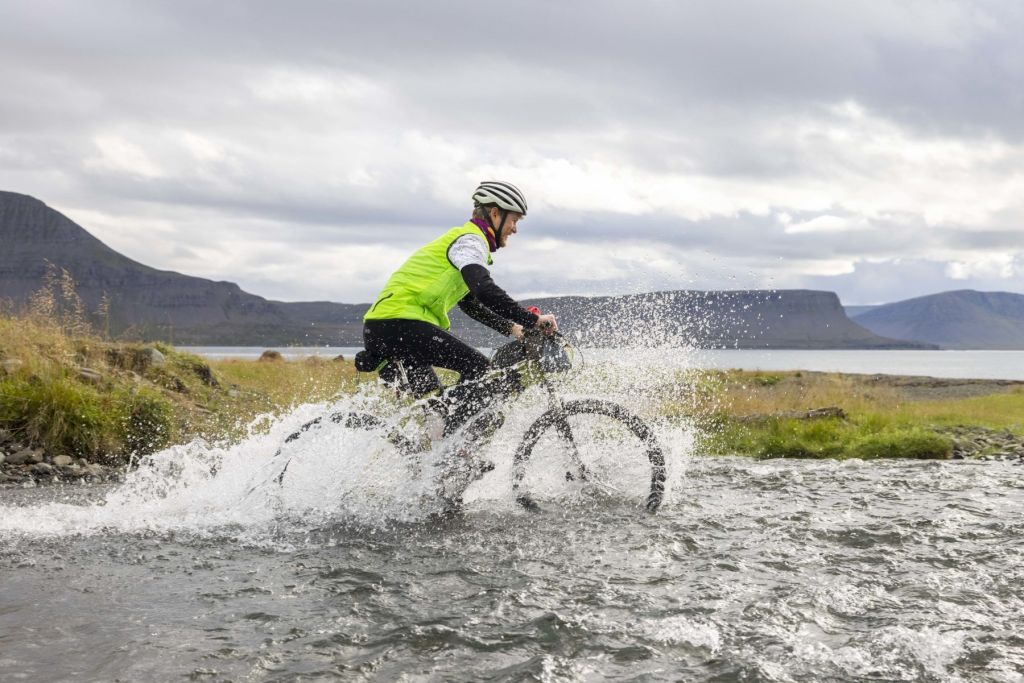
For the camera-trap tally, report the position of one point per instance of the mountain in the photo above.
(745, 319)
(962, 319)
(854, 311)
(146, 303)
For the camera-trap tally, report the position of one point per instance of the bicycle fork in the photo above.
(565, 431)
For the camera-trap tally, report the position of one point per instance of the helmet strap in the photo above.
(497, 231)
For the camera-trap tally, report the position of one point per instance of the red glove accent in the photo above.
(533, 309)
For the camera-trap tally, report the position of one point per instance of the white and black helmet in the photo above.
(505, 195)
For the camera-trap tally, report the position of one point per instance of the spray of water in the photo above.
(337, 473)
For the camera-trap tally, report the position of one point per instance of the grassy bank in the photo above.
(830, 415)
(69, 392)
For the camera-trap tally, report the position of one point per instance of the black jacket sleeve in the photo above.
(472, 307)
(481, 286)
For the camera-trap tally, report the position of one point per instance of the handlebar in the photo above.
(536, 311)
(547, 349)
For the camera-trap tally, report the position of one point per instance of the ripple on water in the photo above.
(752, 570)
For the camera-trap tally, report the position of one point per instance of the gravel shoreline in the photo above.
(23, 465)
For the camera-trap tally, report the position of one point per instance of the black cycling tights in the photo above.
(421, 347)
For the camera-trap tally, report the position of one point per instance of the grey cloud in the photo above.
(874, 283)
(182, 251)
(348, 215)
(985, 240)
(745, 234)
(649, 61)
(685, 88)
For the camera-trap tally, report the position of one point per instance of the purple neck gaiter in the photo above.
(492, 242)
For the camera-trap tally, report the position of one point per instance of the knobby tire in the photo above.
(556, 419)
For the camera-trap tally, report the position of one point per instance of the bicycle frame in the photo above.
(555, 416)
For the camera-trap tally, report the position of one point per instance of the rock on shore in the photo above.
(985, 444)
(20, 464)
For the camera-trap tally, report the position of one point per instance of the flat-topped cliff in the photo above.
(151, 304)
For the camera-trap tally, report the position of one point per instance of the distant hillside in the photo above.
(962, 319)
(854, 311)
(147, 303)
(745, 319)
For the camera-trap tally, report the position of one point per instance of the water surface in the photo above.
(200, 567)
(956, 364)
(754, 571)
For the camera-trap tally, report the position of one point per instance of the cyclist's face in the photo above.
(511, 225)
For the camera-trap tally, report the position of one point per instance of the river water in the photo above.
(973, 364)
(200, 567)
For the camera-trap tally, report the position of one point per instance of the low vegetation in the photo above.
(828, 415)
(68, 391)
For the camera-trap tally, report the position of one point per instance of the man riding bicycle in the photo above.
(408, 322)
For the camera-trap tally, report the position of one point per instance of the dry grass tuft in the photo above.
(68, 390)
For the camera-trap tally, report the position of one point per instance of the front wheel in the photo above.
(593, 442)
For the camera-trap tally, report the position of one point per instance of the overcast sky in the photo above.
(303, 149)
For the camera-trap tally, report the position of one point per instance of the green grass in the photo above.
(136, 408)
(61, 415)
(996, 411)
(745, 413)
(826, 438)
(909, 443)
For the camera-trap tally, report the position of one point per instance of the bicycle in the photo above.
(541, 356)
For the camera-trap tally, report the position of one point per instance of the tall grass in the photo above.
(750, 413)
(284, 385)
(996, 411)
(128, 405)
(737, 393)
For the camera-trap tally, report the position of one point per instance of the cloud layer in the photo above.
(303, 150)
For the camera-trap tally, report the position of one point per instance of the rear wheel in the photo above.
(591, 444)
(352, 420)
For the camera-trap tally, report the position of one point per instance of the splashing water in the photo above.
(200, 566)
(335, 472)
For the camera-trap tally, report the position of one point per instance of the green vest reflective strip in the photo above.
(427, 285)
